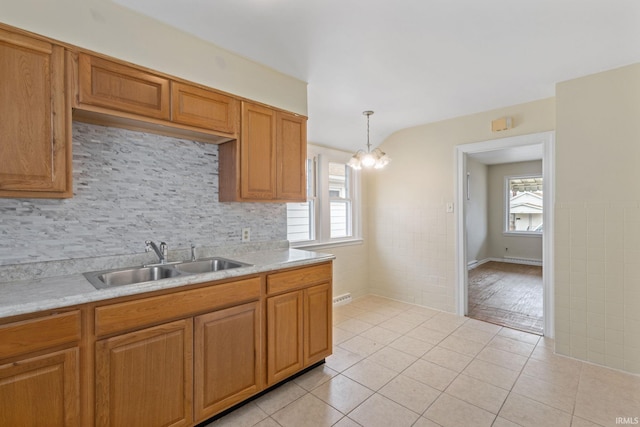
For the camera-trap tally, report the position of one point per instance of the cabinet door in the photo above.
(35, 144)
(291, 142)
(203, 108)
(227, 358)
(258, 153)
(317, 323)
(41, 391)
(119, 87)
(284, 336)
(144, 378)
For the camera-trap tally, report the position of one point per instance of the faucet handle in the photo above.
(193, 252)
(164, 250)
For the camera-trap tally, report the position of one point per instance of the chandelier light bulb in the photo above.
(368, 160)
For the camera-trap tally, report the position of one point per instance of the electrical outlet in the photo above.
(246, 234)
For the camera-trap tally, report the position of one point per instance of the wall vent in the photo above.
(342, 299)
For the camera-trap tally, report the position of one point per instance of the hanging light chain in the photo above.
(368, 113)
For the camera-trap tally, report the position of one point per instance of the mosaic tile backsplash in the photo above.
(130, 187)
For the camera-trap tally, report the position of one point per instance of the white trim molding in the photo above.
(547, 141)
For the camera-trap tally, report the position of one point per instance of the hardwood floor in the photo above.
(507, 294)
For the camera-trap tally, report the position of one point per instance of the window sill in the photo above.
(325, 245)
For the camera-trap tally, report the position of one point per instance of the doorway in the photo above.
(506, 150)
(507, 294)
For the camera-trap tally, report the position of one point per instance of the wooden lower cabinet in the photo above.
(284, 336)
(41, 390)
(167, 359)
(318, 307)
(144, 378)
(299, 325)
(298, 330)
(228, 362)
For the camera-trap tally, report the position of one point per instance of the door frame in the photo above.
(547, 140)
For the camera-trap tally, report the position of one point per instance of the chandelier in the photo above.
(376, 159)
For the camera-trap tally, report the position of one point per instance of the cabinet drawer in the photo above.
(294, 279)
(38, 334)
(115, 86)
(139, 313)
(203, 108)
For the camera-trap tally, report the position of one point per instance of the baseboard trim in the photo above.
(475, 263)
(512, 260)
(525, 261)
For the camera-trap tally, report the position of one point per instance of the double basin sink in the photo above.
(131, 275)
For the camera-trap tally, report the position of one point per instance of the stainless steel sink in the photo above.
(208, 265)
(131, 275)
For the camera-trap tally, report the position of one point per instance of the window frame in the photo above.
(506, 208)
(321, 157)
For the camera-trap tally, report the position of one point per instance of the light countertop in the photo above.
(30, 296)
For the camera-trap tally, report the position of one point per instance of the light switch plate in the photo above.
(449, 207)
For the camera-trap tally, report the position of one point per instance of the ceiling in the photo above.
(522, 153)
(413, 61)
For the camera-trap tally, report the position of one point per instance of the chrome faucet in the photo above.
(162, 252)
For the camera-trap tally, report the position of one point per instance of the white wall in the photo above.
(412, 243)
(108, 28)
(350, 270)
(527, 247)
(351, 266)
(477, 211)
(597, 239)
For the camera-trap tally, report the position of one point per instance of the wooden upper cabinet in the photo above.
(115, 86)
(194, 106)
(268, 163)
(258, 153)
(113, 93)
(291, 152)
(35, 125)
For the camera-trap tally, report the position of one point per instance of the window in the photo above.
(523, 205)
(339, 200)
(329, 215)
(301, 216)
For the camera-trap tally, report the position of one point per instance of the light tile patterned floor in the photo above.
(396, 364)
